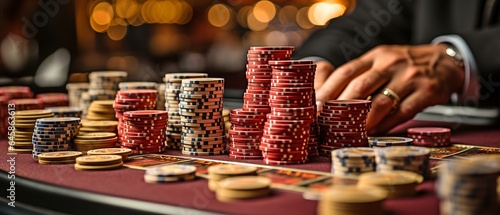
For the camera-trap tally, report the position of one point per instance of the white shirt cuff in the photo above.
(470, 92)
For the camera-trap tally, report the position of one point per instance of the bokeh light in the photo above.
(126, 9)
(254, 24)
(103, 13)
(302, 18)
(320, 13)
(264, 11)
(219, 15)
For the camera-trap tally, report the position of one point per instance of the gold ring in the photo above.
(393, 96)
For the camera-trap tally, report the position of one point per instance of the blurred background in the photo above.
(46, 43)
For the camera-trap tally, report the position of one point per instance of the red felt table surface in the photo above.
(128, 183)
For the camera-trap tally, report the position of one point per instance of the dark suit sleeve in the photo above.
(373, 22)
(485, 46)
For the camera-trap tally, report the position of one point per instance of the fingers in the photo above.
(412, 105)
(337, 81)
(323, 70)
(365, 84)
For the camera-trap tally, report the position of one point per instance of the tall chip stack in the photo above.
(173, 85)
(288, 126)
(6, 94)
(75, 91)
(295, 80)
(248, 123)
(103, 86)
(469, 186)
(430, 136)
(409, 158)
(53, 99)
(131, 100)
(200, 107)
(343, 124)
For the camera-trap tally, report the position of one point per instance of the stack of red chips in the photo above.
(430, 136)
(143, 131)
(343, 124)
(292, 101)
(26, 104)
(245, 134)
(130, 100)
(53, 99)
(6, 94)
(248, 122)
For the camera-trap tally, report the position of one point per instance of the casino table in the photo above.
(52, 189)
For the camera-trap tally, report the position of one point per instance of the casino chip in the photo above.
(242, 187)
(342, 124)
(170, 173)
(137, 85)
(389, 141)
(7, 93)
(352, 200)
(132, 100)
(98, 126)
(54, 134)
(143, 131)
(64, 111)
(217, 173)
(27, 104)
(409, 158)
(98, 162)
(101, 110)
(173, 87)
(353, 161)
(67, 157)
(124, 152)
(430, 136)
(103, 86)
(245, 134)
(202, 123)
(53, 99)
(469, 186)
(290, 132)
(24, 122)
(398, 184)
(75, 91)
(96, 140)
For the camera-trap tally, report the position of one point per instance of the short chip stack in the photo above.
(468, 186)
(98, 162)
(6, 94)
(352, 200)
(101, 110)
(389, 141)
(409, 158)
(66, 157)
(53, 99)
(54, 134)
(66, 111)
(200, 107)
(124, 152)
(173, 87)
(170, 173)
(143, 131)
(130, 100)
(353, 161)
(96, 140)
(103, 86)
(98, 126)
(247, 128)
(343, 124)
(26, 104)
(430, 136)
(137, 86)
(24, 122)
(75, 91)
(398, 184)
(242, 187)
(217, 173)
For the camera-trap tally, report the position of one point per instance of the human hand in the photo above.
(323, 70)
(420, 76)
